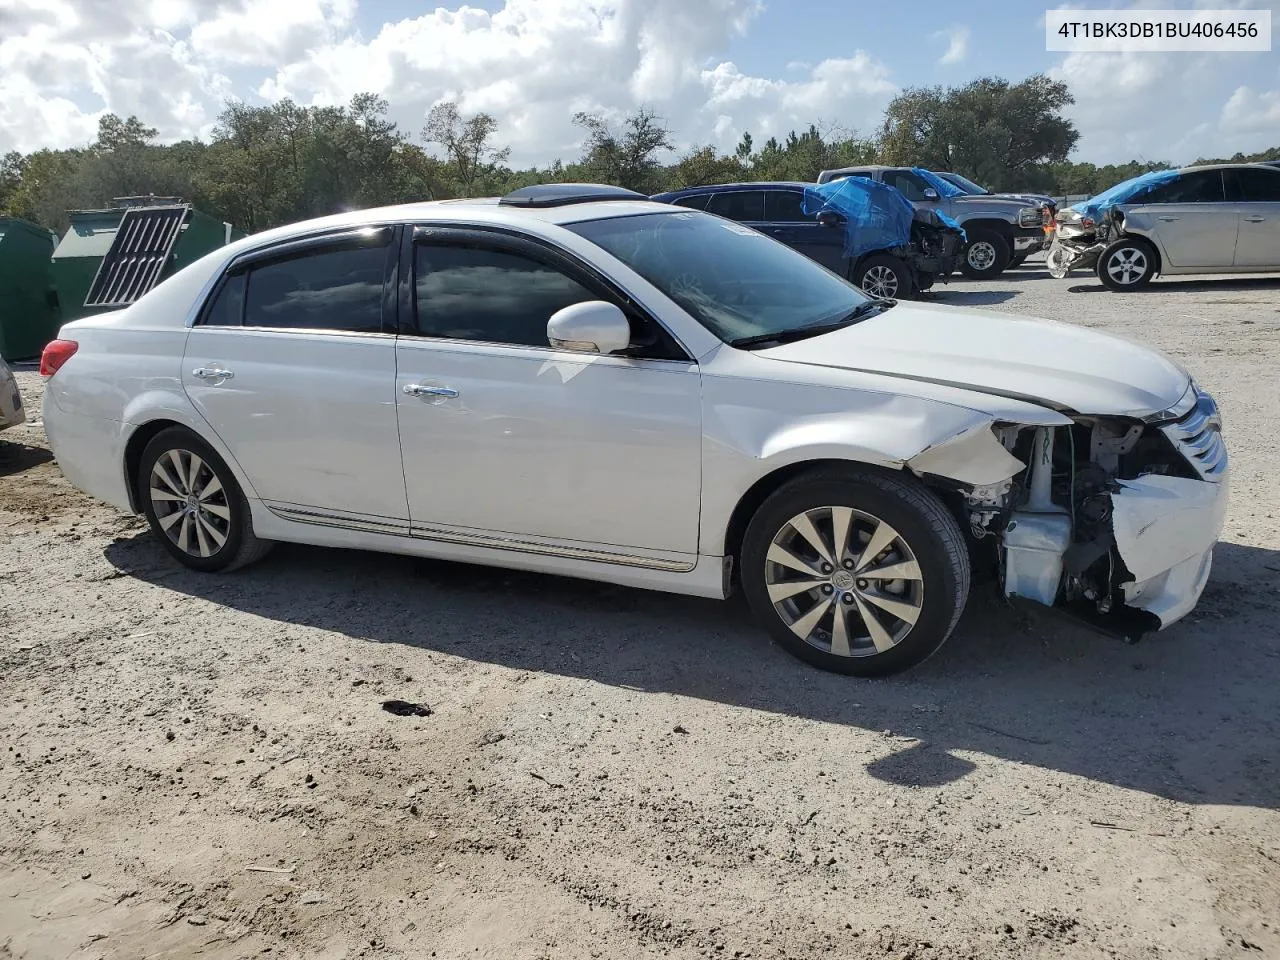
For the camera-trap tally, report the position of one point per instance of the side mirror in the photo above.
(829, 218)
(930, 193)
(592, 326)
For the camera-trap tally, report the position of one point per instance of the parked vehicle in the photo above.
(11, 412)
(997, 229)
(576, 380)
(1223, 218)
(1047, 205)
(876, 239)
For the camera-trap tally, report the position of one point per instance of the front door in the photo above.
(509, 442)
(1191, 220)
(1258, 237)
(292, 368)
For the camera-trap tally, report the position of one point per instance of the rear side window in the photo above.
(227, 308)
(1203, 187)
(785, 206)
(696, 202)
(475, 293)
(1259, 186)
(334, 288)
(743, 205)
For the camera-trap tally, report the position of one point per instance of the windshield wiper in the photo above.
(860, 312)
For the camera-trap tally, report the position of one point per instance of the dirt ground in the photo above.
(199, 766)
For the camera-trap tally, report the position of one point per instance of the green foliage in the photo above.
(627, 157)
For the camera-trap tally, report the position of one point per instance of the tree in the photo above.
(115, 134)
(802, 156)
(702, 166)
(467, 142)
(997, 133)
(625, 158)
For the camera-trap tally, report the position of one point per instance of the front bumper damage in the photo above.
(1109, 520)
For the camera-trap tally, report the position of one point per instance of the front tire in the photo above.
(883, 275)
(193, 504)
(985, 255)
(856, 572)
(1127, 264)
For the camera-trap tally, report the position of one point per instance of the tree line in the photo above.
(268, 165)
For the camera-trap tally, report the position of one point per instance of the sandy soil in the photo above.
(200, 766)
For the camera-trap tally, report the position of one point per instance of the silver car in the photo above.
(11, 412)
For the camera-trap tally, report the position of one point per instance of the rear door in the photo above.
(786, 220)
(1257, 190)
(293, 366)
(1191, 219)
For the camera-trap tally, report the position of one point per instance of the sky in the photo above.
(711, 68)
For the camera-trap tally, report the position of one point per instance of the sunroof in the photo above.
(139, 253)
(560, 194)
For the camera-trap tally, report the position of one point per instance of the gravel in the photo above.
(203, 764)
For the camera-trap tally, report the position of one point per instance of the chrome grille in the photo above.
(1198, 437)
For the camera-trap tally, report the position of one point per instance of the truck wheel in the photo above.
(1127, 264)
(854, 571)
(985, 255)
(883, 275)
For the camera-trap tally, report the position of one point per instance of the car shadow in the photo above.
(1202, 284)
(17, 457)
(968, 298)
(1188, 714)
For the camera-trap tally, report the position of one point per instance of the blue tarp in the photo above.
(945, 188)
(877, 217)
(1124, 192)
(953, 223)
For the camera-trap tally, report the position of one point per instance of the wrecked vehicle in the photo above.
(1223, 218)
(865, 231)
(578, 381)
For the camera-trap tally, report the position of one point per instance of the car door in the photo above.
(786, 220)
(1191, 220)
(292, 364)
(508, 441)
(1257, 192)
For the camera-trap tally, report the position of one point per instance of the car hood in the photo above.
(991, 200)
(1057, 365)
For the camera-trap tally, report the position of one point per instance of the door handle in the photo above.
(1170, 219)
(212, 373)
(421, 390)
(1254, 219)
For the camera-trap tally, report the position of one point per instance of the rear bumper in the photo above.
(90, 453)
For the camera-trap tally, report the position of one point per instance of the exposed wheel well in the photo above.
(133, 457)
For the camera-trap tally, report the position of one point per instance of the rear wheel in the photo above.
(883, 275)
(193, 504)
(1127, 264)
(985, 254)
(858, 573)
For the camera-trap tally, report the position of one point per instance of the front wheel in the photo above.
(985, 255)
(1127, 264)
(883, 275)
(856, 572)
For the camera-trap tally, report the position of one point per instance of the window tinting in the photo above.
(326, 289)
(745, 205)
(1203, 187)
(696, 202)
(1259, 186)
(227, 308)
(907, 183)
(472, 293)
(785, 205)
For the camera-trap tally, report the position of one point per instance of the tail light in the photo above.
(55, 355)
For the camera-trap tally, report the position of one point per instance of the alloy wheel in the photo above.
(881, 281)
(981, 255)
(844, 581)
(1127, 265)
(190, 503)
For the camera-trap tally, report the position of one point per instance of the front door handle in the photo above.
(1254, 219)
(212, 373)
(1170, 219)
(422, 390)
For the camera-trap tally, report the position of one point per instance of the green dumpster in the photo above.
(28, 316)
(111, 257)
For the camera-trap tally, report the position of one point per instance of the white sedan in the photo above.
(576, 381)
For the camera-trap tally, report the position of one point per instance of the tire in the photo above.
(1018, 260)
(218, 536)
(1127, 264)
(923, 540)
(985, 255)
(883, 275)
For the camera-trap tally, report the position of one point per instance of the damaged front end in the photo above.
(936, 242)
(1112, 520)
(1078, 241)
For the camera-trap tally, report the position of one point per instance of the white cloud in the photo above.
(957, 38)
(269, 32)
(1248, 111)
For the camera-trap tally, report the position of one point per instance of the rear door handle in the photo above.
(1254, 219)
(212, 373)
(422, 390)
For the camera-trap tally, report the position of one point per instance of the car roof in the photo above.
(731, 187)
(1223, 166)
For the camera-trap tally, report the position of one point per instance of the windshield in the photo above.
(737, 283)
(964, 183)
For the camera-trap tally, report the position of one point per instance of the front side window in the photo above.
(907, 183)
(734, 281)
(741, 205)
(329, 288)
(1202, 187)
(479, 293)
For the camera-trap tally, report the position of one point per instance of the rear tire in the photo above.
(985, 255)
(193, 504)
(883, 275)
(819, 548)
(1127, 264)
